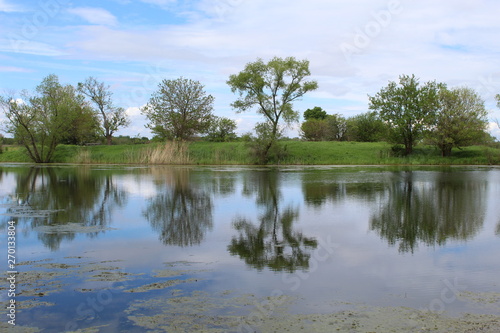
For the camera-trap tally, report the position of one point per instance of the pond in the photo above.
(251, 249)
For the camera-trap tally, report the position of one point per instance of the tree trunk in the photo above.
(446, 150)
(408, 148)
(272, 139)
(266, 151)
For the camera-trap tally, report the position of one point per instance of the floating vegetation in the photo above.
(481, 298)
(247, 313)
(95, 329)
(27, 211)
(71, 228)
(4, 327)
(199, 312)
(33, 303)
(159, 285)
(190, 310)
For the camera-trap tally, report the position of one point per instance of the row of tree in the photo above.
(64, 114)
(406, 113)
(320, 126)
(61, 114)
(402, 113)
(448, 117)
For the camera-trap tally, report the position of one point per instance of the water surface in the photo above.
(222, 248)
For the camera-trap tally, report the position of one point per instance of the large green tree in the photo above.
(112, 117)
(83, 127)
(461, 119)
(408, 107)
(42, 120)
(315, 130)
(366, 127)
(179, 109)
(337, 126)
(330, 128)
(221, 129)
(271, 88)
(315, 113)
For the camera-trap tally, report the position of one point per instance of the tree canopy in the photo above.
(112, 117)
(461, 119)
(40, 121)
(221, 129)
(366, 127)
(315, 113)
(408, 107)
(331, 128)
(271, 88)
(179, 109)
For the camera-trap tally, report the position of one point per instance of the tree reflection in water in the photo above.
(272, 243)
(452, 206)
(182, 212)
(56, 196)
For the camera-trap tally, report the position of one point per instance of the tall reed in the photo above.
(83, 156)
(167, 153)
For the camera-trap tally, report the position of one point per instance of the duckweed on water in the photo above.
(4, 327)
(71, 228)
(482, 298)
(228, 311)
(159, 285)
(198, 313)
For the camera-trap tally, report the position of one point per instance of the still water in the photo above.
(178, 249)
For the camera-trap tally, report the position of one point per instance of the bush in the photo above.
(221, 130)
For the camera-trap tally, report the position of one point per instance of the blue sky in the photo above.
(354, 47)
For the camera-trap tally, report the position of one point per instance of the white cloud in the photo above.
(138, 122)
(133, 111)
(27, 46)
(9, 8)
(161, 3)
(494, 129)
(451, 41)
(15, 69)
(97, 16)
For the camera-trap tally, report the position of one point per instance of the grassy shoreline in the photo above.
(238, 153)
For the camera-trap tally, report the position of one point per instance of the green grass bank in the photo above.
(238, 153)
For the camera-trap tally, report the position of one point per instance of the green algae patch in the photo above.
(33, 303)
(71, 228)
(95, 329)
(202, 312)
(166, 273)
(4, 327)
(40, 283)
(159, 285)
(47, 278)
(481, 297)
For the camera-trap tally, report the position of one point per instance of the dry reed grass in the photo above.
(83, 157)
(167, 153)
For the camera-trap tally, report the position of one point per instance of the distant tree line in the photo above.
(57, 114)
(404, 113)
(320, 126)
(61, 114)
